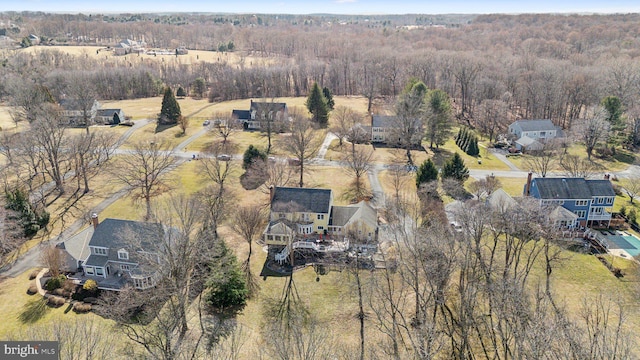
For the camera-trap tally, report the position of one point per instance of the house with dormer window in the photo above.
(307, 219)
(591, 201)
(115, 253)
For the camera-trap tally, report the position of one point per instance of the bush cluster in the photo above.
(31, 220)
(33, 289)
(467, 141)
(55, 282)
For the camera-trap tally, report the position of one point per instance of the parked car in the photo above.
(513, 154)
(224, 157)
(206, 123)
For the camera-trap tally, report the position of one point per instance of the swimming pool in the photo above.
(628, 243)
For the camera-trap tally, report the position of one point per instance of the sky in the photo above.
(325, 6)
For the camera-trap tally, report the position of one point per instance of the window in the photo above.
(582, 202)
(125, 267)
(123, 254)
(320, 227)
(100, 251)
(88, 270)
(99, 271)
(282, 215)
(320, 216)
(543, 134)
(580, 213)
(609, 200)
(600, 200)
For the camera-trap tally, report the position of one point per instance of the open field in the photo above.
(193, 57)
(619, 162)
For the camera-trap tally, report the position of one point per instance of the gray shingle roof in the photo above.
(340, 215)
(112, 233)
(256, 105)
(535, 125)
(383, 121)
(96, 260)
(572, 188)
(241, 114)
(287, 199)
(107, 112)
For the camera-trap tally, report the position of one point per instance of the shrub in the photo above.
(623, 210)
(81, 307)
(55, 282)
(91, 300)
(33, 289)
(90, 286)
(56, 301)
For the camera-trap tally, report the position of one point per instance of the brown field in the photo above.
(193, 57)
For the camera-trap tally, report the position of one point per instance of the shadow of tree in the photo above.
(33, 311)
(440, 156)
(162, 127)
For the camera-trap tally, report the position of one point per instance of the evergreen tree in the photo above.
(170, 112)
(455, 168)
(473, 148)
(438, 117)
(226, 287)
(251, 154)
(613, 106)
(329, 97)
(180, 92)
(317, 105)
(426, 172)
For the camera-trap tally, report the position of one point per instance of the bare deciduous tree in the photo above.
(631, 186)
(52, 258)
(302, 144)
(576, 166)
(593, 129)
(249, 222)
(542, 161)
(144, 172)
(358, 162)
(48, 135)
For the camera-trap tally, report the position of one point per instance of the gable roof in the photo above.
(500, 200)
(560, 213)
(362, 211)
(286, 199)
(382, 120)
(527, 141)
(572, 188)
(241, 114)
(78, 245)
(111, 233)
(108, 112)
(340, 215)
(274, 106)
(535, 125)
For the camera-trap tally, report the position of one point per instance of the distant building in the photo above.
(260, 112)
(532, 134)
(76, 111)
(109, 116)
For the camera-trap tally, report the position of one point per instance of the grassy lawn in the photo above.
(619, 162)
(488, 161)
(512, 186)
(21, 311)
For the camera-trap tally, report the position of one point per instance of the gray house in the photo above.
(109, 116)
(532, 134)
(114, 253)
(75, 111)
(259, 112)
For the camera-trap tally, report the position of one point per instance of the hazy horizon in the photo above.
(343, 7)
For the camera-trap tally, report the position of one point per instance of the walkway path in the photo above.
(504, 159)
(325, 145)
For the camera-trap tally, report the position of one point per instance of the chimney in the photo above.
(94, 220)
(272, 193)
(527, 190)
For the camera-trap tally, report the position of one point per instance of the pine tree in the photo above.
(473, 149)
(180, 92)
(250, 155)
(317, 105)
(329, 97)
(170, 112)
(226, 286)
(455, 168)
(426, 172)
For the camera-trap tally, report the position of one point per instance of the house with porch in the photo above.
(114, 253)
(381, 126)
(591, 201)
(76, 111)
(306, 218)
